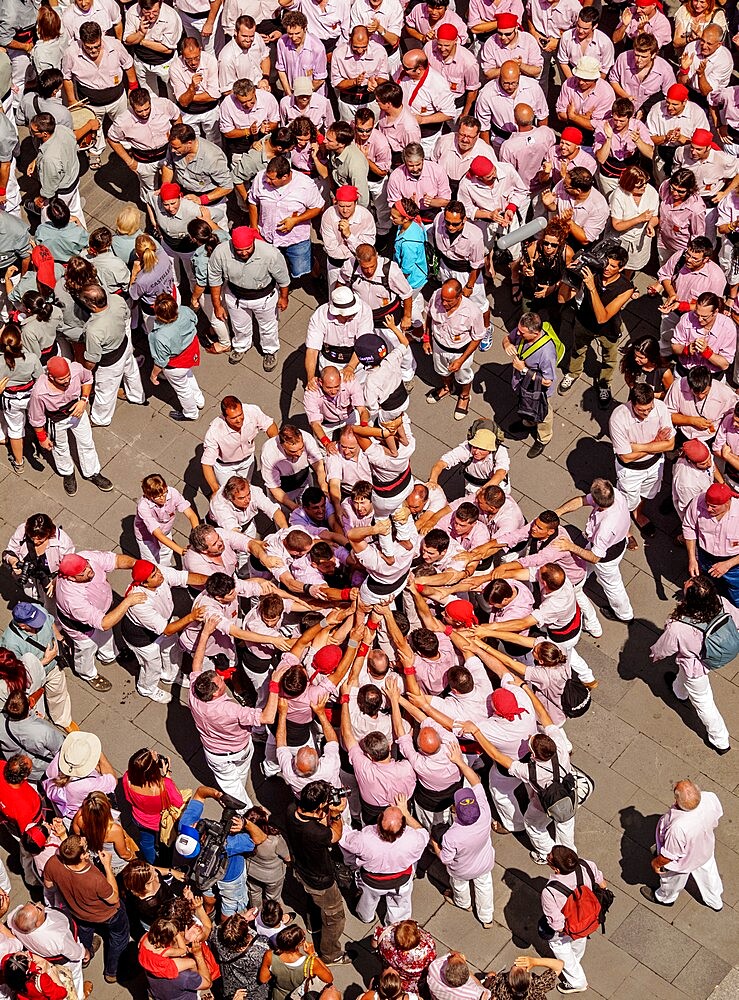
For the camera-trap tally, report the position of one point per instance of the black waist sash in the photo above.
(96, 97)
(294, 480)
(149, 155)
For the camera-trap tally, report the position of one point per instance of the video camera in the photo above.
(336, 795)
(595, 258)
(210, 863)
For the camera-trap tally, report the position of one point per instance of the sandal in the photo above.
(516, 293)
(632, 543)
(434, 395)
(462, 408)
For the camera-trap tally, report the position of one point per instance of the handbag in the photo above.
(533, 403)
(171, 816)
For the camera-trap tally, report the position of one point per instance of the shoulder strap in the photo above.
(27, 637)
(532, 348)
(555, 768)
(532, 775)
(701, 626)
(589, 870)
(14, 739)
(560, 887)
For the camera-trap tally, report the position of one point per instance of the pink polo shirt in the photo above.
(380, 784)
(46, 399)
(685, 643)
(399, 131)
(431, 673)
(332, 409)
(276, 204)
(658, 80)
(591, 215)
(716, 536)
(467, 851)
(153, 133)
(180, 76)
(721, 339)
(526, 152)
(686, 836)
(460, 70)
(434, 771)
(109, 71)
(580, 159)
(347, 471)
(689, 284)
(378, 150)
(496, 108)
(626, 429)
(380, 857)
(720, 400)
(679, 223)
(232, 115)
(362, 229)
(467, 246)
(573, 567)
(597, 102)
(88, 602)
(524, 48)
(657, 25)
(223, 443)
(622, 144)
(319, 111)
(488, 10)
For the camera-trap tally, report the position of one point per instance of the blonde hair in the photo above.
(146, 250)
(128, 221)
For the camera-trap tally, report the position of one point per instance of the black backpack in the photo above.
(576, 698)
(559, 799)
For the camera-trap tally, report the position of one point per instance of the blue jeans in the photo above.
(298, 257)
(728, 584)
(234, 895)
(115, 934)
(148, 841)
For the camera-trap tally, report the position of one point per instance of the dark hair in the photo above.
(289, 938)
(258, 815)
(550, 518)
(460, 680)
(96, 816)
(44, 122)
(279, 166)
(700, 600)
(684, 178)
(40, 526)
(143, 768)
(294, 19)
(90, 32)
(701, 244)
(229, 403)
(71, 850)
(469, 121)
(200, 232)
(437, 539)
(219, 585)
(294, 681)
(311, 496)
(101, 239)
(390, 93)
(163, 932)
(205, 686)
(375, 746)
(709, 299)
(424, 642)
(180, 132)
(303, 126)
(271, 913)
(648, 346)
(58, 213)
(580, 178)
(370, 699)
(642, 394)
(234, 932)
(564, 859)
(314, 795)
(18, 970)
(589, 15)
(18, 768)
(49, 80)
(699, 378)
(467, 512)
(342, 132)
(17, 706)
(497, 591)
(135, 876)
(456, 207)
(11, 345)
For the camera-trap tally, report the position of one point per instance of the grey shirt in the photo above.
(15, 240)
(350, 167)
(9, 145)
(246, 168)
(6, 73)
(26, 369)
(39, 336)
(15, 14)
(113, 274)
(105, 330)
(37, 737)
(57, 164)
(175, 226)
(267, 861)
(46, 105)
(265, 265)
(74, 315)
(207, 170)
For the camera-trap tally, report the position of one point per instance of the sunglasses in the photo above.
(550, 243)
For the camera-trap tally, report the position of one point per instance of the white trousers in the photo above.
(571, 953)
(231, 772)
(159, 661)
(608, 575)
(186, 389)
(12, 194)
(82, 433)
(348, 111)
(483, 895)
(379, 202)
(398, 902)
(108, 381)
(73, 201)
(442, 360)
(263, 311)
(75, 969)
(536, 824)
(154, 552)
(205, 124)
(113, 110)
(148, 75)
(577, 663)
(502, 787)
(193, 29)
(700, 693)
(224, 472)
(587, 607)
(219, 328)
(185, 264)
(706, 878)
(640, 484)
(101, 645)
(13, 414)
(428, 818)
(20, 63)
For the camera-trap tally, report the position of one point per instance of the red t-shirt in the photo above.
(21, 804)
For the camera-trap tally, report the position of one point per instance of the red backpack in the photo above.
(582, 910)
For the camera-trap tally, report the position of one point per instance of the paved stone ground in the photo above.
(636, 740)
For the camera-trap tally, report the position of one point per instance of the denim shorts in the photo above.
(234, 895)
(298, 257)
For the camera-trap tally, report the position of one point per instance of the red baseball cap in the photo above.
(72, 565)
(43, 262)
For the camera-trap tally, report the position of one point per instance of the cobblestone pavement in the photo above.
(635, 741)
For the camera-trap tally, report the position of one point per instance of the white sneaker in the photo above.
(595, 629)
(537, 858)
(180, 679)
(163, 697)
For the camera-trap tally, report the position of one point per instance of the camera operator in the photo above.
(242, 840)
(312, 826)
(34, 552)
(597, 316)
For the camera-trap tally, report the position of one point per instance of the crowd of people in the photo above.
(400, 643)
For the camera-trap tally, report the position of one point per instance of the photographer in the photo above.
(34, 552)
(312, 826)
(604, 295)
(242, 839)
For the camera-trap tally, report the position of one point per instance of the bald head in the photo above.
(306, 762)
(391, 820)
(331, 378)
(429, 740)
(28, 918)
(523, 115)
(359, 36)
(451, 287)
(510, 74)
(713, 34)
(378, 662)
(687, 795)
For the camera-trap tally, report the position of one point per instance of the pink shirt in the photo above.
(326, 20)
(495, 107)
(180, 76)
(657, 25)
(434, 771)
(625, 428)
(609, 526)
(679, 223)
(232, 115)
(362, 229)
(321, 407)
(234, 543)
(467, 245)
(319, 111)
(572, 566)
(59, 546)
(519, 606)
(325, 328)
(685, 643)
(461, 70)
(467, 851)
(660, 122)
(553, 17)
(223, 443)
(106, 13)
(591, 215)
(726, 100)
(223, 725)
(721, 339)
(689, 284)
(508, 518)
(87, 602)
(622, 144)
(580, 159)
(485, 10)
(658, 80)
(345, 65)
(227, 616)
(130, 130)
(687, 482)
(378, 150)
(526, 152)
(347, 471)
(597, 102)
(454, 163)
(156, 612)
(431, 673)
(46, 399)
(570, 50)
(552, 900)
(275, 462)
(109, 71)
(276, 204)
(150, 516)
(389, 15)
(432, 183)
(380, 857)
(721, 399)
(524, 47)
(380, 784)
(225, 515)
(719, 66)
(418, 19)
(506, 189)
(399, 131)
(727, 434)
(455, 329)
(717, 537)
(308, 60)
(235, 63)
(686, 836)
